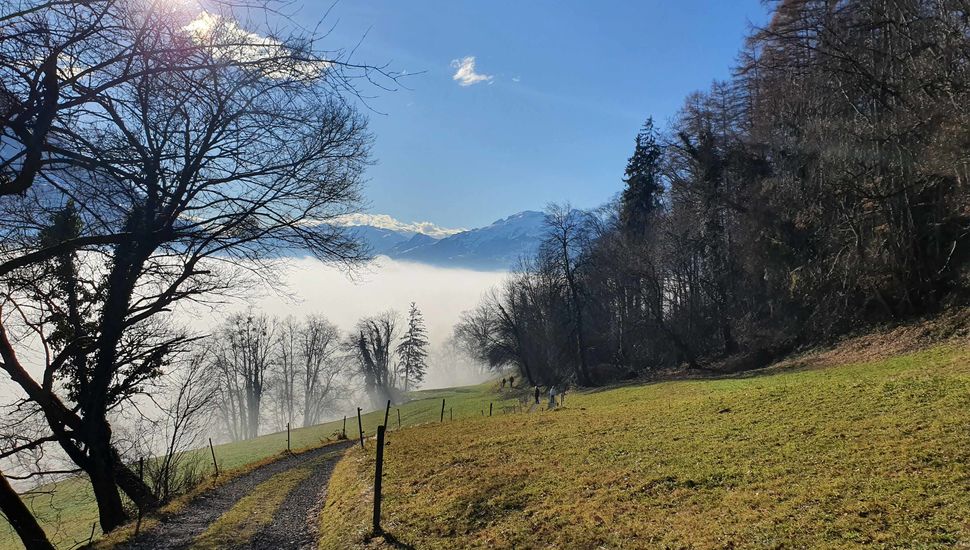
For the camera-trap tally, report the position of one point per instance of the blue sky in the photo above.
(571, 82)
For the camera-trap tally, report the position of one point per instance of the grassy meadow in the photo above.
(868, 452)
(67, 509)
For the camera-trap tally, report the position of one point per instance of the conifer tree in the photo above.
(412, 351)
(641, 197)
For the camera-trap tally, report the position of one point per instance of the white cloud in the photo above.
(465, 73)
(516, 79)
(230, 41)
(387, 222)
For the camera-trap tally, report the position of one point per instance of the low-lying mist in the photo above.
(301, 287)
(307, 286)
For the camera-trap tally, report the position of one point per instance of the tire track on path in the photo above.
(291, 526)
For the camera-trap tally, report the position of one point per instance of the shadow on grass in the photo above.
(792, 362)
(392, 541)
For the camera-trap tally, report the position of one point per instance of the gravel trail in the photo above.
(295, 522)
(294, 525)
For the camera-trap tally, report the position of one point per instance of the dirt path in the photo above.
(294, 524)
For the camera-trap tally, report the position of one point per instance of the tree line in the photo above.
(299, 371)
(822, 189)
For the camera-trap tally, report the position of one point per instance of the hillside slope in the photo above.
(67, 510)
(812, 454)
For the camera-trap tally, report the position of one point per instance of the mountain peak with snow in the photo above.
(383, 221)
(498, 246)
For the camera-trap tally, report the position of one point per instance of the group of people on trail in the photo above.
(553, 392)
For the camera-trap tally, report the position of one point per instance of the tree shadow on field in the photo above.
(790, 363)
(392, 541)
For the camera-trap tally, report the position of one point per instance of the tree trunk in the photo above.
(101, 470)
(584, 377)
(527, 372)
(730, 344)
(20, 518)
(583, 373)
(111, 512)
(133, 486)
(253, 429)
(308, 419)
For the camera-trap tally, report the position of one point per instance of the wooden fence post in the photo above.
(360, 428)
(387, 411)
(378, 475)
(213, 451)
(489, 409)
(451, 413)
(287, 437)
(399, 419)
(442, 410)
(345, 427)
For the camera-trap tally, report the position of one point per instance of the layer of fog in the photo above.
(301, 287)
(306, 286)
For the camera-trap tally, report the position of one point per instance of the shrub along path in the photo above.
(266, 508)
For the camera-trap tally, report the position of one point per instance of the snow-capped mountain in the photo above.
(380, 240)
(498, 246)
(383, 221)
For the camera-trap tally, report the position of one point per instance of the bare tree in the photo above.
(567, 237)
(521, 325)
(186, 409)
(306, 370)
(372, 345)
(286, 366)
(146, 147)
(244, 357)
(230, 400)
(320, 368)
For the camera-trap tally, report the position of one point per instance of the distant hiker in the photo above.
(538, 393)
(552, 397)
(511, 381)
(503, 383)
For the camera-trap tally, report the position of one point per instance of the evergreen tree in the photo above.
(641, 197)
(412, 350)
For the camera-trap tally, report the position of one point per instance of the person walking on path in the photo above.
(511, 382)
(503, 383)
(552, 397)
(538, 393)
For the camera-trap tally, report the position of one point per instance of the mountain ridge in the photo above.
(494, 247)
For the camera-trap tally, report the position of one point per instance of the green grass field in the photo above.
(873, 452)
(69, 511)
(856, 452)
